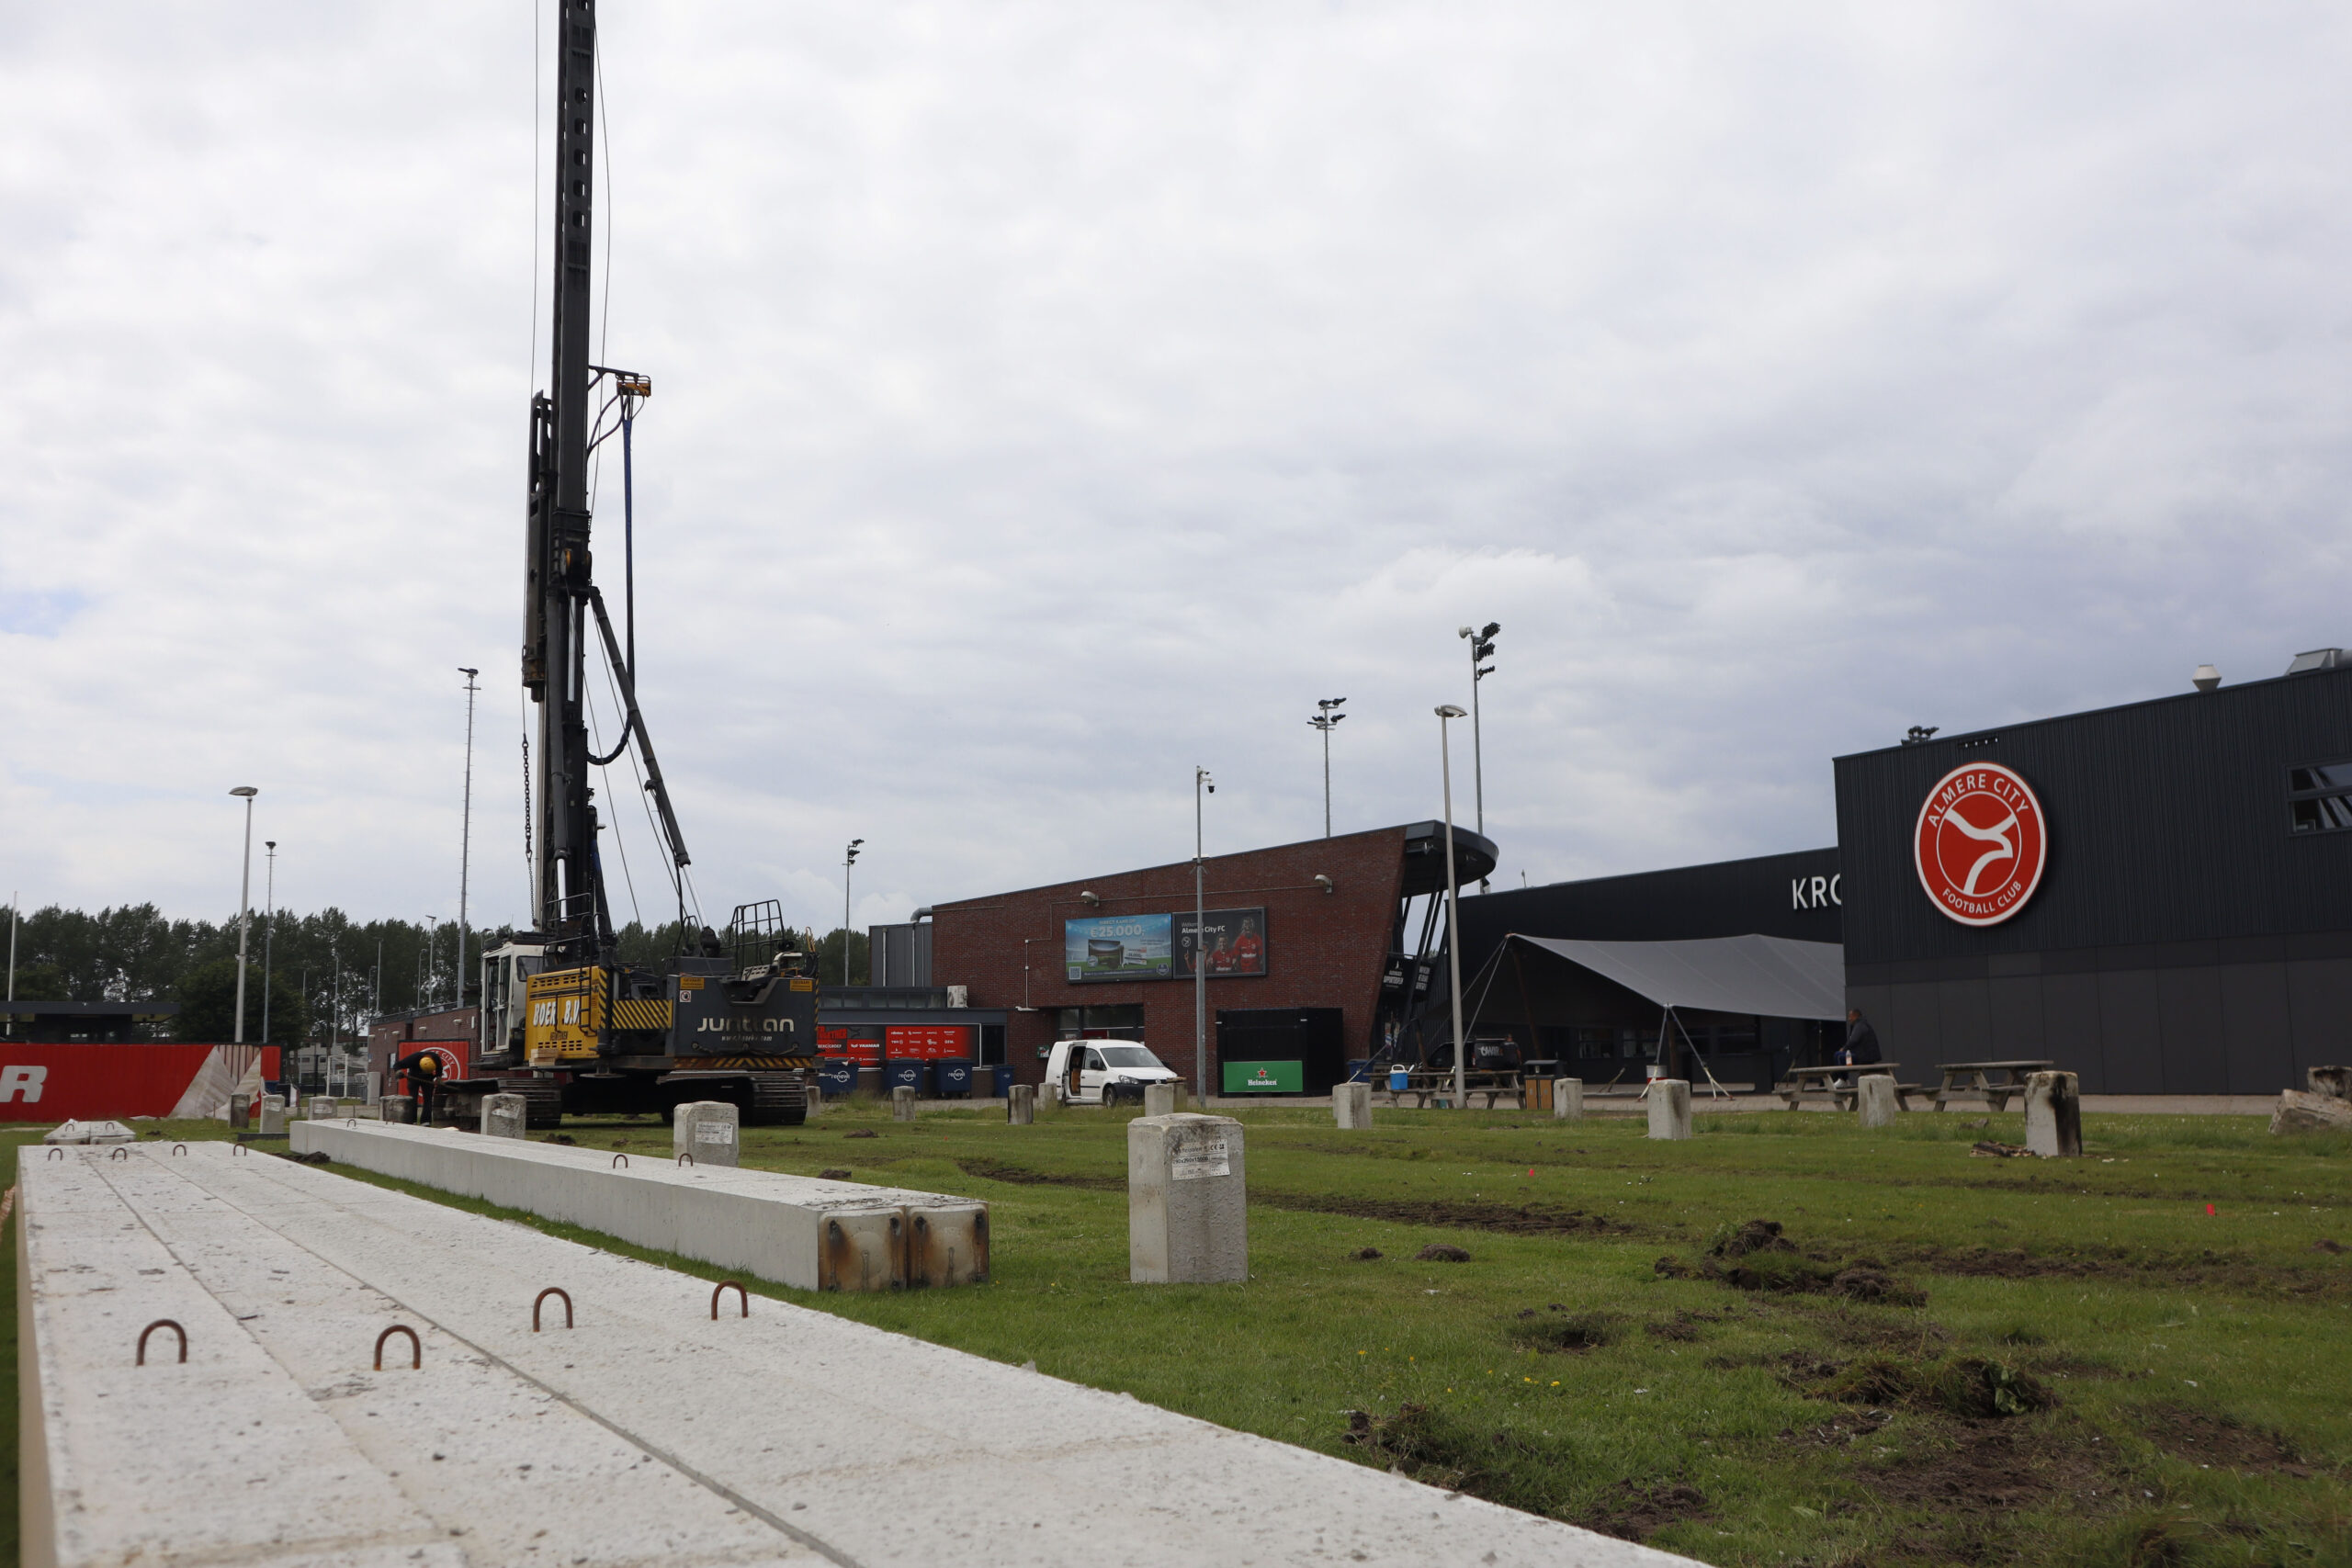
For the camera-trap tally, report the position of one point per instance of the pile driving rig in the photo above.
(564, 1022)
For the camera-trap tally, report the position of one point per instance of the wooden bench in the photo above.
(1424, 1086)
(1995, 1083)
(1818, 1085)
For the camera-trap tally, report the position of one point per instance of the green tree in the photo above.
(828, 957)
(208, 996)
(41, 982)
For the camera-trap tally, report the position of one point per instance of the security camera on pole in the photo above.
(1201, 783)
(1445, 716)
(245, 904)
(1482, 646)
(1328, 721)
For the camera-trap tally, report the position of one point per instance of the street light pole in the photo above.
(1482, 643)
(1445, 716)
(849, 859)
(1200, 782)
(245, 904)
(1327, 721)
(13, 920)
(268, 935)
(466, 831)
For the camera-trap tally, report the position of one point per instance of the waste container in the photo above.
(837, 1078)
(915, 1075)
(953, 1077)
(1360, 1069)
(1003, 1074)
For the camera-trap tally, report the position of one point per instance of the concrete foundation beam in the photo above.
(1352, 1105)
(707, 1129)
(1160, 1100)
(1568, 1100)
(1875, 1104)
(1670, 1105)
(2053, 1114)
(1187, 1200)
(1020, 1104)
(273, 1116)
(399, 1108)
(902, 1103)
(794, 1230)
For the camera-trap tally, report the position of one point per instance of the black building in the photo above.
(2190, 931)
(1598, 1027)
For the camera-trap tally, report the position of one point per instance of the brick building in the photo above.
(1312, 928)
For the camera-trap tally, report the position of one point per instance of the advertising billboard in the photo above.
(1119, 947)
(1234, 942)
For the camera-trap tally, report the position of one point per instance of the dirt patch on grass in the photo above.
(1436, 1449)
(2204, 1439)
(993, 1170)
(2209, 1268)
(1637, 1511)
(1756, 1256)
(1504, 1219)
(1556, 1328)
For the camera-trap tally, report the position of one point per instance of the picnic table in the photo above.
(1425, 1084)
(1993, 1082)
(1817, 1084)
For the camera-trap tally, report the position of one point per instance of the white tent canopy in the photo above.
(1769, 976)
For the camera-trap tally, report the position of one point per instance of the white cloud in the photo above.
(1048, 400)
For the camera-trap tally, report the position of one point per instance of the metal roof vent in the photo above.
(2206, 678)
(2317, 658)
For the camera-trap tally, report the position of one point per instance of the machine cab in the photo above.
(504, 972)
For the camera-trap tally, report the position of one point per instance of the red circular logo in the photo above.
(1981, 844)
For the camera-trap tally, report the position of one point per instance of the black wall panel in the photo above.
(2194, 1045)
(2072, 1032)
(2016, 1007)
(2130, 1042)
(2319, 1006)
(1789, 895)
(1963, 1013)
(2256, 1037)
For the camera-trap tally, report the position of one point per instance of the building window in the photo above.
(2318, 797)
(1117, 1023)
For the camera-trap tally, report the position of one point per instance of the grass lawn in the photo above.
(1939, 1358)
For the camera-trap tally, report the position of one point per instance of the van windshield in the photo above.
(1130, 1056)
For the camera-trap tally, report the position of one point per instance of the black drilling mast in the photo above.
(560, 592)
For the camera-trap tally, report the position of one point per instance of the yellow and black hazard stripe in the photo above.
(641, 1015)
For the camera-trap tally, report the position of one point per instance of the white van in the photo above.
(1088, 1070)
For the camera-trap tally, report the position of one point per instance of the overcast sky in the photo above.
(1050, 398)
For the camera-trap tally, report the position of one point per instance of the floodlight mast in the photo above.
(1327, 721)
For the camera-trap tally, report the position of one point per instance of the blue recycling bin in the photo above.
(837, 1078)
(953, 1077)
(915, 1075)
(1360, 1069)
(1003, 1074)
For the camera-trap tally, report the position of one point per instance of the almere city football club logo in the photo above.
(1981, 844)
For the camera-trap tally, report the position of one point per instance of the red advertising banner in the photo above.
(832, 1040)
(929, 1042)
(94, 1083)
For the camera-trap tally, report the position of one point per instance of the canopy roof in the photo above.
(1770, 976)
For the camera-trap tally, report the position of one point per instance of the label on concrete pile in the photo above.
(1199, 1155)
(714, 1132)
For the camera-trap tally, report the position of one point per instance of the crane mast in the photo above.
(557, 578)
(566, 1023)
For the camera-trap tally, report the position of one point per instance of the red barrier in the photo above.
(52, 1083)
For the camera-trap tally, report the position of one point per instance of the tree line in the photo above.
(325, 973)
